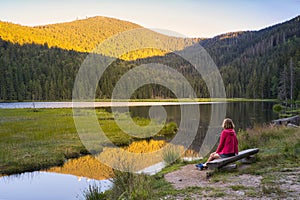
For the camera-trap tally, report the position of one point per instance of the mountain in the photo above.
(79, 35)
(84, 35)
(41, 63)
(259, 64)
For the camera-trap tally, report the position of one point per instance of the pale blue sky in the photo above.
(193, 18)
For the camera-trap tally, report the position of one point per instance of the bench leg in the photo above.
(248, 160)
(209, 173)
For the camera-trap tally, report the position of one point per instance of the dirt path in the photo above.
(187, 176)
(195, 185)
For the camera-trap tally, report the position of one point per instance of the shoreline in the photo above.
(122, 103)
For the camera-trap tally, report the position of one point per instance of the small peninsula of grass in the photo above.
(34, 139)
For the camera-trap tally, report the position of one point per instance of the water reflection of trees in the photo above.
(137, 156)
(86, 166)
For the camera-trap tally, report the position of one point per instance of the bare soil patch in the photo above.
(284, 184)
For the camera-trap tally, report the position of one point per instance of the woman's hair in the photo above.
(228, 124)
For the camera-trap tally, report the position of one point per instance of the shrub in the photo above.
(94, 193)
(277, 108)
(172, 154)
(168, 130)
(128, 185)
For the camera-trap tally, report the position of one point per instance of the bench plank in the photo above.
(218, 163)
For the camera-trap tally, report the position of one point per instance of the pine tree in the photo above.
(283, 81)
(292, 83)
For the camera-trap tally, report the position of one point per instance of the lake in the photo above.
(62, 184)
(46, 186)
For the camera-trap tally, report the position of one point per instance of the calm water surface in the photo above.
(46, 186)
(91, 104)
(244, 114)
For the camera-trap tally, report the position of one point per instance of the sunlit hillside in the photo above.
(79, 35)
(84, 36)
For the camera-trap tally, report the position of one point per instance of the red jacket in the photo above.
(228, 142)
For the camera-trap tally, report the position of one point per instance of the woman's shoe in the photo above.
(201, 166)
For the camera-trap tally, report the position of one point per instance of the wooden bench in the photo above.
(219, 163)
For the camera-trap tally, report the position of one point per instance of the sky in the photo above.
(190, 18)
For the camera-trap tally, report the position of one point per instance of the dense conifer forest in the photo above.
(41, 63)
(260, 64)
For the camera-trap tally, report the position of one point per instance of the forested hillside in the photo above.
(37, 72)
(79, 35)
(260, 64)
(253, 64)
(85, 35)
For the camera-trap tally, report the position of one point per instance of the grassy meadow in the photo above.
(33, 139)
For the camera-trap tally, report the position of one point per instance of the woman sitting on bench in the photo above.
(228, 145)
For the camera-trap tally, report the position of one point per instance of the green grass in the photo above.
(33, 139)
(131, 186)
(277, 145)
(238, 187)
(94, 193)
(172, 154)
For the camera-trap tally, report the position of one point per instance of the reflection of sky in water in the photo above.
(91, 104)
(45, 185)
